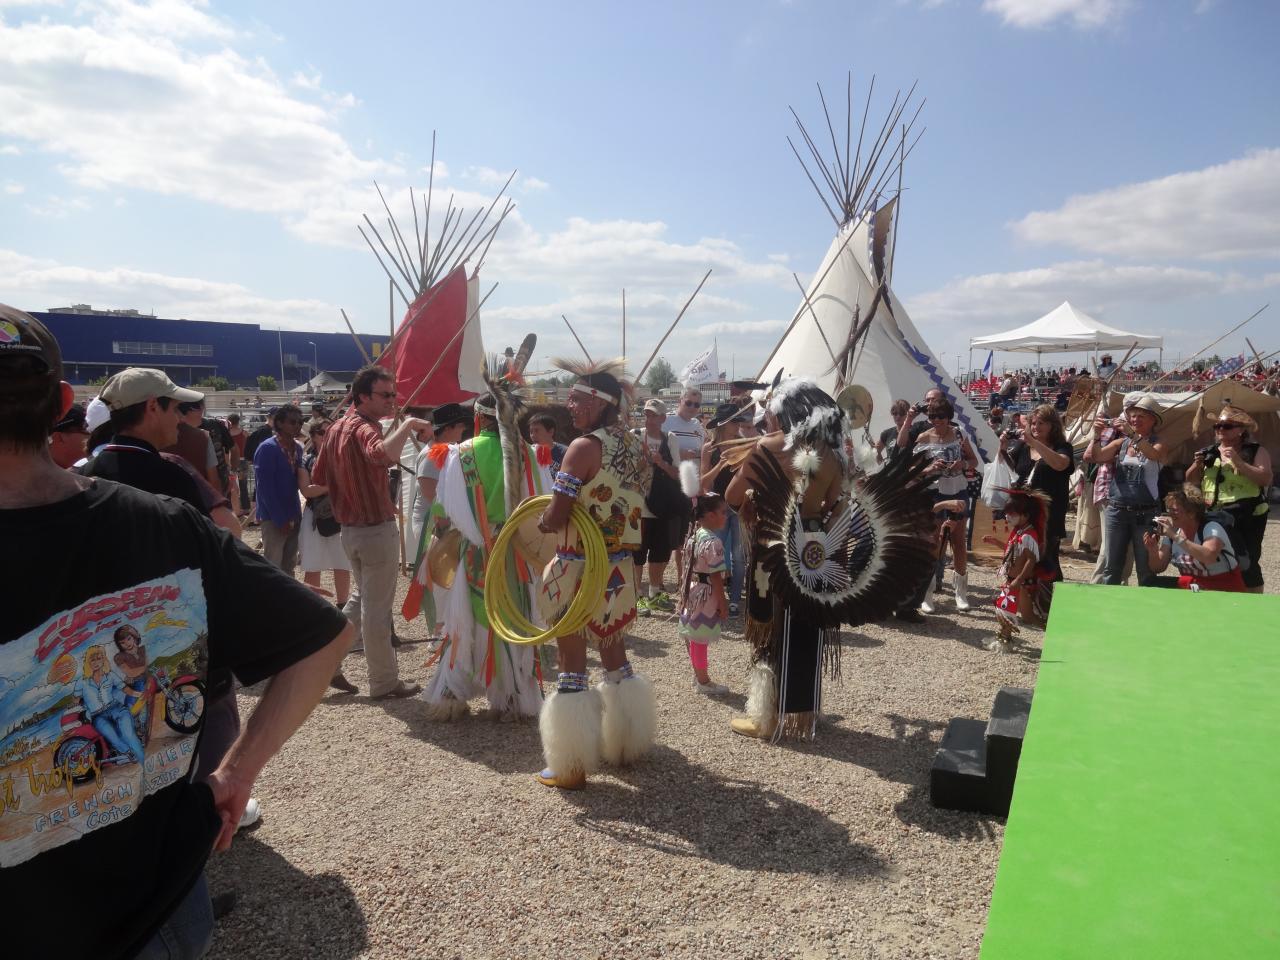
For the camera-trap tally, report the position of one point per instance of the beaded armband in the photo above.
(567, 484)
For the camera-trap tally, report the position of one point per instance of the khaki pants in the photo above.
(280, 547)
(374, 553)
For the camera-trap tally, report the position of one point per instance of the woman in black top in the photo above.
(1044, 460)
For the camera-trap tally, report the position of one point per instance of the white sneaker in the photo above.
(710, 689)
(252, 814)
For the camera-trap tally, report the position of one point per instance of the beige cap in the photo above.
(654, 405)
(142, 383)
(1144, 401)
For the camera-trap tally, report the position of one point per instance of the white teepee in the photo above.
(851, 287)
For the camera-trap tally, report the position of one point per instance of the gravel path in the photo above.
(385, 835)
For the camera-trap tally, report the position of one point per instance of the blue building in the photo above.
(98, 343)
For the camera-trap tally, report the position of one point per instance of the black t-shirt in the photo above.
(1056, 483)
(254, 439)
(81, 817)
(137, 463)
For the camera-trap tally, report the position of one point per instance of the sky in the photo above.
(211, 160)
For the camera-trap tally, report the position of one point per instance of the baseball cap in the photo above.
(654, 405)
(96, 414)
(141, 383)
(73, 421)
(22, 335)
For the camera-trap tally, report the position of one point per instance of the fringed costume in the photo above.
(831, 547)
(482, 480)
(617, 720)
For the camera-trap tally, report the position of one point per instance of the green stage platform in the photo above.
(1146, 813)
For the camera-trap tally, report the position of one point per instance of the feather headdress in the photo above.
(601, 378)
(504, 403)
(809, 416)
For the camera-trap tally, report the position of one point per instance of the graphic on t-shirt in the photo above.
(99, 707)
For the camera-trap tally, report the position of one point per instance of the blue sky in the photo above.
(212, 160)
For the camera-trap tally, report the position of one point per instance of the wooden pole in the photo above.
(1214, 343)
(576, 337)
(624, 322)
(799, 313)
(804, 293)
(360, 346)
(640, 375)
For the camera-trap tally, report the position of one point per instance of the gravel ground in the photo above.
(386, 835)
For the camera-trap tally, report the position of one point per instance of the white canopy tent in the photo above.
(1065, 330)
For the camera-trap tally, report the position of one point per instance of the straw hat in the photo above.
(1230, 414)
(1145, 402)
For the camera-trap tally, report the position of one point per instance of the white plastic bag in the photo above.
(996, 474)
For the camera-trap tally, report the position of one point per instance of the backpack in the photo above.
(1238, 547)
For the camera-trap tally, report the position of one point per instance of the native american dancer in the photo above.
(606, 471)
(831, 546)
(482, 480)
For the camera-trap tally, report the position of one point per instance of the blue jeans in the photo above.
(188, 933)
(734, 558)
(116, 724)
(1124, 528)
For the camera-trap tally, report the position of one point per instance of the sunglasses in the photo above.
(938, 416)
(384, 393)
(1226, 426)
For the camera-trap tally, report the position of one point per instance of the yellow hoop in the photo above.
(505, 616)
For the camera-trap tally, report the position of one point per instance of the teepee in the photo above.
(440, 291)
(850, 327)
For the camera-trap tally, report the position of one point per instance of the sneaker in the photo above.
(662, 603)
(252, 814)
(710, 689)
(642, 607)
(733, 609)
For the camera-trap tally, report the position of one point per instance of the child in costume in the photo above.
(1019, 575)
(703, 607)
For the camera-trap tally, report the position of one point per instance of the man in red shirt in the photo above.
(353, 464)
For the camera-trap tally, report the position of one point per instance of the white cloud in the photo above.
(1095, 286)
(135, 96)
(487, 176)
(12, 187)
(1227, 211)
(533, 184)
(1040, 13)
(9, 150)
(740, 327)
(37, 284)
(58, 207)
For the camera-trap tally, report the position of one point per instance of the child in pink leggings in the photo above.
(703, 605)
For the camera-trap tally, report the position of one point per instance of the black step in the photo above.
(958, 780)
(1005, 732)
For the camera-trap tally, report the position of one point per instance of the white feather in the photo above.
(690, 481)
(806, 461)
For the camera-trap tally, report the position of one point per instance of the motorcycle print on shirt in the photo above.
(99, 707)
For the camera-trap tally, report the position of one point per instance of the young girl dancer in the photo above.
(703, 605)
(1019, 574)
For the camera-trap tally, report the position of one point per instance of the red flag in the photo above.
(418, 348)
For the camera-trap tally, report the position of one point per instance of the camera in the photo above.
(920, 408)
(1153, 528)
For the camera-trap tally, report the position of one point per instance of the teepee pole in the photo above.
(640, 375)
(359, 346)
(813, 313)
(578, 338)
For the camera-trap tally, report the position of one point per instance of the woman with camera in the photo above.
(1133, 495)
(952, 463)
(1234, 475)
(1043, 460)
(1199, 549)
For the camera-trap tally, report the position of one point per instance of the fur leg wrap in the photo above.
(570, 727)
(446, 709)
(762, 697)
(630, 719)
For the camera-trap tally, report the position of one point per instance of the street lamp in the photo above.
(314, 365)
